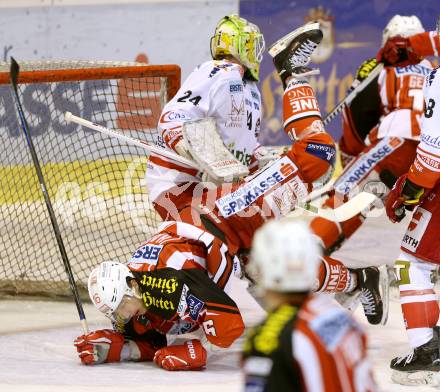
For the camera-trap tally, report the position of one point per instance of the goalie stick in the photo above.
(346, 211)
(14, 72)
(340, 214)
(69, 117)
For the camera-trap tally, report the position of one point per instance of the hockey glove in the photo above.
(404, 195)
(100, 346)
(397, 51)
(189, 356)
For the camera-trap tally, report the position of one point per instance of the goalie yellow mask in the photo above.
(236, 37)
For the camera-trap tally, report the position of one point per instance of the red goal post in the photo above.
(95, 182)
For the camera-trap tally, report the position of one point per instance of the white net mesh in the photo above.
(95, 182)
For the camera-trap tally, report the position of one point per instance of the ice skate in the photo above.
(349, 301)
(420, 366)
(374, 293)
(291, 54)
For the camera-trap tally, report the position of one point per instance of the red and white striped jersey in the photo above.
(185, 276)
(330, 348)
(425, 171)
(181, 245)
(401, 93)
(214, 89)
(313, 347)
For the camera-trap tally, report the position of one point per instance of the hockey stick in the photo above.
(69, 117)
(353, 93)
(14, 72)
(346, 211)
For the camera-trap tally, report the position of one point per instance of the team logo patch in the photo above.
(325, 152)
(194, 305)
(250, 191)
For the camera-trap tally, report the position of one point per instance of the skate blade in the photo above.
(384, 287)
(425, 377)
(348, 301)
(285, 41)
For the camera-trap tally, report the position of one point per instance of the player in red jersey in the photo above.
(381, 129)
(419, 190)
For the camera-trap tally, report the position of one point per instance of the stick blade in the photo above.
(347, 210)
(354, 206)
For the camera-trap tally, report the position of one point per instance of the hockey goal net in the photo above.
(96, 183)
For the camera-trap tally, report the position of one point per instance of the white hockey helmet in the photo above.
(404, 26)
(107, 286)
(236, 37)
(285, 257)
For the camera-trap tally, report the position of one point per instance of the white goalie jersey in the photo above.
(214, 89)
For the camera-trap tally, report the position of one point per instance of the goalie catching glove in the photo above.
(189, 356)
(106, 346)
(208, 150)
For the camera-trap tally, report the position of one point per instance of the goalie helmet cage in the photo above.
(95, 182)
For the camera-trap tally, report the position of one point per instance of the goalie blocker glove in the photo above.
(205, 145)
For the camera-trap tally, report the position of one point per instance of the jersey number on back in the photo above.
(187, 94)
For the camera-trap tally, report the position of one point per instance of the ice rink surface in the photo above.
(37, 353)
